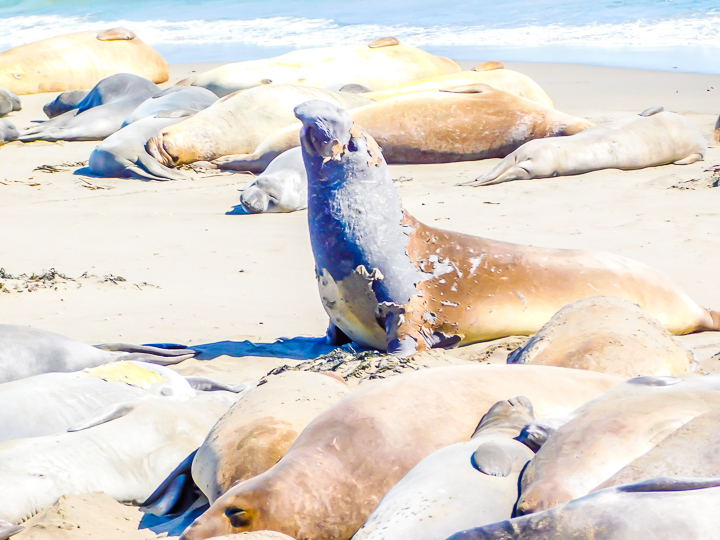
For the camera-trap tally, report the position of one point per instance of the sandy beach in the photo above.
(151, 262)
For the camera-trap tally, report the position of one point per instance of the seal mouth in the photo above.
(326, 128)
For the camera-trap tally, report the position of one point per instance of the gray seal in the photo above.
(282, 187)
(8, 131)
(9, 102)
(101, 113)
(176, 97)
(65, 102)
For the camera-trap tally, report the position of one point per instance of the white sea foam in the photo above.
(299, 32)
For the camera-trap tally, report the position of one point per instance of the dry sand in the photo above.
(150, 262)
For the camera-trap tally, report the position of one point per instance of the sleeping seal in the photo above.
(389, 282)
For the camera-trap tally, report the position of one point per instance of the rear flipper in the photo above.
(505, 171)
(146, 353)
(148, 168)
(8, 529)
(692, 158)
(254, 163)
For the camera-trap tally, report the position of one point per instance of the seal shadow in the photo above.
(296, 348)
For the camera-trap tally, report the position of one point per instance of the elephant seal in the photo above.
(606, 334)
(258, 429)
(385, 63)
(125, 455)
(8, 131)
(123, 154)
(65, 102)
(464, 485)
(648, 140)
(8, 529)
(26, 351)
(239, 123)
(390, 282)
(78, 61)
(688, 452)
(176, 97)
(54, 402)
(608, 433)
(460, 124)
(505, 80)
(662, 509)
(282, 187)
(334, 475)
(100, 114)
(9, 102)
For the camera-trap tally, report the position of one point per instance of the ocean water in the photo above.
(682, 35)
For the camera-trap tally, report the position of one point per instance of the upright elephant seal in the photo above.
(26, 351)
(239, 122)
(661, 509)
(459, 124)
(334, 475)
(464, 485)
(606, 334)
(79, 61)
(653, 138)
(389, 282)
(608, 433)
(282, 187)
(385, 63)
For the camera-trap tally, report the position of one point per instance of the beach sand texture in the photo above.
(150, 262)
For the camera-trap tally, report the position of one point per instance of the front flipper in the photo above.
(492, 459)
(106, 415)
(205, 384)
(147, 353)
(178, 487)
(692, 158)
(8, 529)
(505, 171)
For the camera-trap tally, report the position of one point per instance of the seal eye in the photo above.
(17, 75)
(238, 517)
(352, 145)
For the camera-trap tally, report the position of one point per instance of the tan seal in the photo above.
(606, 334)
(345, 461)
(79, 61)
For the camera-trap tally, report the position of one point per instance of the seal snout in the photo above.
(326, 128)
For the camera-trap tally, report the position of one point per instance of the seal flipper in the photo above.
(670, 484)
(8, 529)
(147, 167)
(652, 110)
(206, 384)
(491, 458)
(148, 353)
(176, 493)
(116, 34)
(692, 158)
(106, 415)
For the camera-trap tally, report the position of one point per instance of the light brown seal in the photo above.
(460, 124)
(392, 283)
(609, 335)
(258, 429)
(79, 61)
(653, 138)
(608, 433)
(385, 63)
(239, 122)
(689, 452)
(344, 462)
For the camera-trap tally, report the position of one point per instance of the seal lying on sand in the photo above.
(123, 154)
(239, 123)
(9, 102)
(608, 433)
(100, 114)
(282, 187)
(349, 456)
(124, 456)
(460, 124)
(8, 131)
(26, 351)
(606, 334)
(385, 63)
(389, 282)
(175, 97)
(653, 138)
(467, 484)
(78, 61)
(661, 509)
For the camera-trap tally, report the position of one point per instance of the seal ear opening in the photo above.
(384, 42)
(116, 34)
